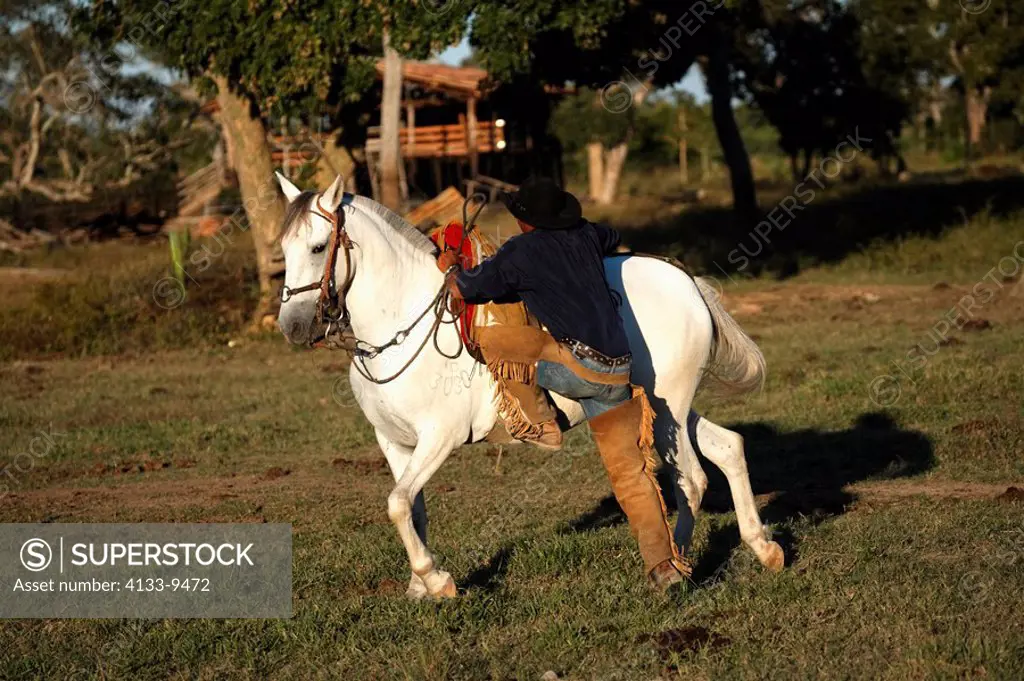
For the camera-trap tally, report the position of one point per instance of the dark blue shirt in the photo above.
(559, 274)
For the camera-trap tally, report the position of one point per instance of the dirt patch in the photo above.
(23, 275)
(975, 427)
(161, 499)
(893, 491)
(977, 325)
(833, 501)
(390, 587)
(1012, 495)
(361, 466)
(684, 641)
(275, 473)
(131, 466)
(839, 302)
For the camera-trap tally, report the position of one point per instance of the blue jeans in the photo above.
(595, 398)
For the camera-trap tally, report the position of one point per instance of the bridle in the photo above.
(332, 309)
(329, 307)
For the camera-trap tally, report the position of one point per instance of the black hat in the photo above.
(542, 204)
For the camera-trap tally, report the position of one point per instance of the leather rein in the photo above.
(331, 307)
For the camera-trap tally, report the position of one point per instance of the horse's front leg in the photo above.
(412, 469)
(398, 457)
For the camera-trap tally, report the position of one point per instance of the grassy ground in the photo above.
(905, 549)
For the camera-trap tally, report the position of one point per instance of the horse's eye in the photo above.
(320, 249)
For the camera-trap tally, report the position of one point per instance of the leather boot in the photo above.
(543, 429)
(624, 439)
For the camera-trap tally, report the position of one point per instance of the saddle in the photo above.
(472, 318)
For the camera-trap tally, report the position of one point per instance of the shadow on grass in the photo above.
(488, 577)
(804, 473)
(827, 227)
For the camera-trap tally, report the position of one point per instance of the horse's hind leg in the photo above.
(412, 468)
(724, 448)
(688, 479)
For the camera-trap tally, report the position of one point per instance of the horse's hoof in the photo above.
(446, 589)
(417, 590)
(774, 559)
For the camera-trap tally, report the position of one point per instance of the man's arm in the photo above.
(492, 279)
(607, 238)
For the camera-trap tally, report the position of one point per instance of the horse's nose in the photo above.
(293, 329)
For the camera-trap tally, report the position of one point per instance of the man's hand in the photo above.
(447, 260)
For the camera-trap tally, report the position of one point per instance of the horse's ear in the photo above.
(334, 195)
(291, 192)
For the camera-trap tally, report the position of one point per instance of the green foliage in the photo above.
(591, 43)
(581, 118)
(916, 48)
(806, 69)
(290, 57)
(179, 241)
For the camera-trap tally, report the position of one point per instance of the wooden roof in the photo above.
(458, 81)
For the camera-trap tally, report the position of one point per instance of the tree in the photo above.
(684, 128)
(621, 49)
(67, 132)
(306, 58)
(582, 122)
(977, 45)
(807, 70)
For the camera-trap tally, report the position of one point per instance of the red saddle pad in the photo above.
(451, 237)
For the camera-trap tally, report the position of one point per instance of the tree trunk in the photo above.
(613, 163)
(264, 209)
(390, 123)
(684, 165)
(684, 168)
(716, 73)
(334, 160)
(976, 103)
(595, 169)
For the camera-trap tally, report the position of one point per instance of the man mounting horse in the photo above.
(556, 266)
(353, 264)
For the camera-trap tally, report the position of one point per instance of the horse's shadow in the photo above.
(805, 473)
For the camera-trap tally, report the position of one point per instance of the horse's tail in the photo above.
(736, 364)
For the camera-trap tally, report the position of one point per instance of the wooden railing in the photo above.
(294, 150)
(441, 140)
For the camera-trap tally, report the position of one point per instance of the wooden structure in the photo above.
(447, 122)
(446, 141)
(440, 210)
(453, 134)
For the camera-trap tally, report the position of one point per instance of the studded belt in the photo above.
(584, 351)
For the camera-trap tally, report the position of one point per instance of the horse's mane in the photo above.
(417, 239)
(303, 204)
(294, 212)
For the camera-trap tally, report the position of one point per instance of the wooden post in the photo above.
(410, 156)
(371, 168)
(474, 160)
(390, 123)
(410, 125)
(435, 164)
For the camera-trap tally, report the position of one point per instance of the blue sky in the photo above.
(691, 83)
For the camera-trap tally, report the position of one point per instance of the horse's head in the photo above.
(310, 242)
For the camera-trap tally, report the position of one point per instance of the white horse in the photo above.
(678, 334)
